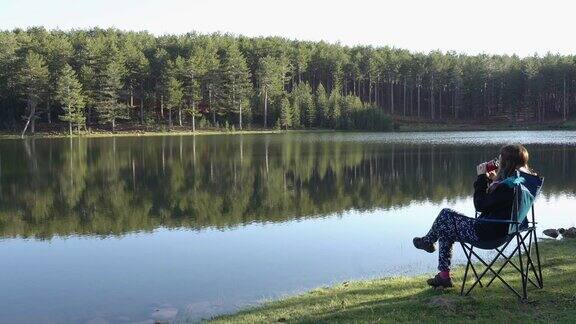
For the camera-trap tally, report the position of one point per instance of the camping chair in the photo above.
(521, 233)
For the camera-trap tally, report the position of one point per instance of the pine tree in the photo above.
(296, 109)
(161, 70)
(59, 50)
(234, 86)
(285, 113)
(174, 96)
(137, 71)
(301, 58)
(322, 106)
(303, 104)
(206, 53)
(309, 107)
(107, 95)
(8, 67)
(69, 94)
(189, 72)
(335, 108)
(32, 79)
(96, 55)
(271, 79)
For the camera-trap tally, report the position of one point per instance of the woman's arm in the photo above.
(486, 202)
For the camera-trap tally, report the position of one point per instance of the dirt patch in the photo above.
(443, 301)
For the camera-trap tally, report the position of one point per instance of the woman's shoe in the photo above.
(421, 244)
(439, 282)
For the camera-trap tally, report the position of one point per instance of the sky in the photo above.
(482, 26)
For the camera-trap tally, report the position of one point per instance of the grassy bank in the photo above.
(120, 133)
(407, 299)
(59, 130)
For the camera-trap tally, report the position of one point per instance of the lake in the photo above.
(137, 229)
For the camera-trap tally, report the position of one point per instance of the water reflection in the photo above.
(114, 186)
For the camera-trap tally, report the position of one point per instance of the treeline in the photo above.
(101, 77)
(113, 186)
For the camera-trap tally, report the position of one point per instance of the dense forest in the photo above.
(114, 186)
(105, 77)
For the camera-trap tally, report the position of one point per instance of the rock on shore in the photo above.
(566, 233)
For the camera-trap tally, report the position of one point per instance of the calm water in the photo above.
(115, 229)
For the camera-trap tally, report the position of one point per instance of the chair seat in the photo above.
(490, 245)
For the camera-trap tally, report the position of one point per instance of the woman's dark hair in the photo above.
(512, 157)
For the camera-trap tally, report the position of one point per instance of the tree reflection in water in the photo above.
(113, 186)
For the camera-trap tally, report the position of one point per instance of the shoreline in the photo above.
(186, 131)
(137, 133)
(408, 299)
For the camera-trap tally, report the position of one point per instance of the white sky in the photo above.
(481, 26)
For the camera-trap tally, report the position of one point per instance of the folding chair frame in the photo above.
(525, 261)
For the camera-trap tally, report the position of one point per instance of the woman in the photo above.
(493, 197)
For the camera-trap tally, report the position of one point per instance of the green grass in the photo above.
(136, 133)
(402, 126)
(408, 299)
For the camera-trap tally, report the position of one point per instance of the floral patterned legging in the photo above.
(449, 227)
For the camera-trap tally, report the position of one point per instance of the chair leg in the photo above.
(530, 263)
(468, 263)
(539, 266)
(469, 257)
(509, 260)
(524, 292)
(489, 268)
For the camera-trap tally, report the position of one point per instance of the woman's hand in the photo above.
(492, 175)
